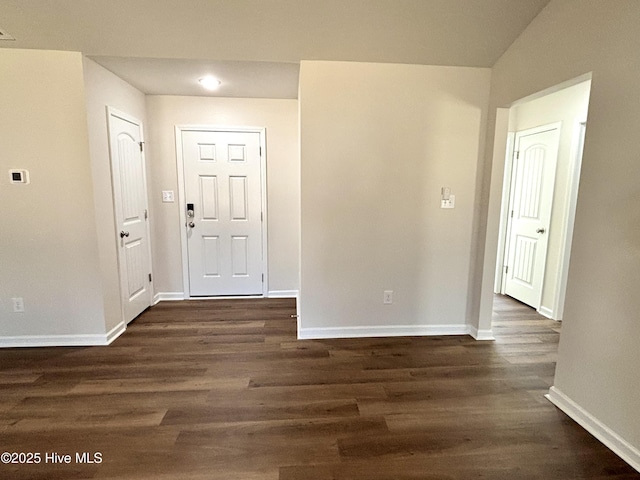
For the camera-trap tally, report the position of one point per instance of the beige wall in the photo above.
(569, 107)
(378, 142)
(280, 117)
(49, 253)
(102, 89)
(598, 362)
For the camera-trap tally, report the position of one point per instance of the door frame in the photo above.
(182, 202)
(129, 118)
(577, 147)
(507, 200)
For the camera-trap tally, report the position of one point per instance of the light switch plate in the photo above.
(167, 196)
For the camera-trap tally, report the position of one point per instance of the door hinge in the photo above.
(141, 146)
(517, 154)
(511, 213)
(260, 151)
(150, 277)
(146, 214)
(263, 278)
(506, 269)
(261, 217)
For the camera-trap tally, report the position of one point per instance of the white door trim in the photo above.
(505, 226)
(577, 146)
(125, 116)
(498, 286)
(182, 205)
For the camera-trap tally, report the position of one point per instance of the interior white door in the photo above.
(131, 211)
(222, 176)
(532, 188)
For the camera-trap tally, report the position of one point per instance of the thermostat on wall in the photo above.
(19, 176)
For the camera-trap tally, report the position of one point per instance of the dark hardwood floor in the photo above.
(223, 390)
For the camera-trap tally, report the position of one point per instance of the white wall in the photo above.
(378, 141)
(597, 369)
(49, 253)
(280, 117)
(568, 107)
(102, 89)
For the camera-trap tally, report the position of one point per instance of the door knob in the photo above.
(540, 230)
(124, 234)
(191, 224)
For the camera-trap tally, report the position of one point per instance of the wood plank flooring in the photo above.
(223, 390)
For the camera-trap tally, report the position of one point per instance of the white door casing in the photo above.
(131, 212)
(224, 235)
(531, 201)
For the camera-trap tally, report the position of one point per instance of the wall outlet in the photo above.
(449, 202)
(18, 304)
(387, 298)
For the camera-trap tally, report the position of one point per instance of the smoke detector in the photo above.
(4, 35)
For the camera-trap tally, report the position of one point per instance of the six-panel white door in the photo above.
(222, 176)
(130, 203)
(530, 211)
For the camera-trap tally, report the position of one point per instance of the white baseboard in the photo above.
(282, 294)
(167, 296)
(595, 427)
(382, 331)
(173, 296)
(115, 332)
(89, 340)
(546, 312)
(481, 334)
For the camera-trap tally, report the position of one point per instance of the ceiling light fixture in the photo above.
(209, 82)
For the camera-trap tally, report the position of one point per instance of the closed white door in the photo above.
(532, 188)
(222, 176)
(131, 211)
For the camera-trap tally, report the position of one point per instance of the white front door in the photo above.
(130, 203)
(533, 179)
(223, 197)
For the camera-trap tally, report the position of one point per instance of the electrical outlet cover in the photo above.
(450, 203)
(18, 304)
(387, 297)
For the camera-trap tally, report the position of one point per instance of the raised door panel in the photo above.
(239, 256)
(211, 256)
(209, 197)
(524, 260)
(238, 198)
(130, 178)
(531, 179)
(135, 253)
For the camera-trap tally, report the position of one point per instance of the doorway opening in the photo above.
(540, 188)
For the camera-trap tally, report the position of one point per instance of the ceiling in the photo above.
(162, 76)
(255, 46)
